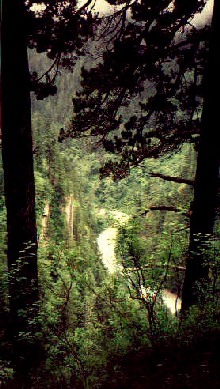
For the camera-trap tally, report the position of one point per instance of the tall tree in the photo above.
(20, 29)
(18, 179)
(207, 176)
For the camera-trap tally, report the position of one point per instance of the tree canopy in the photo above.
(144, 83)
(142, 94)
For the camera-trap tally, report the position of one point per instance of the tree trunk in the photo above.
(18, 178)
(207, 175)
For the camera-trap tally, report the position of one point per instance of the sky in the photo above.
(103, 8)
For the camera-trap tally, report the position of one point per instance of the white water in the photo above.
(107, 239)
(172, 301)
(106, 243)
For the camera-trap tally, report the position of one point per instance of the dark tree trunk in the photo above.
(206, 181)
(18, 176)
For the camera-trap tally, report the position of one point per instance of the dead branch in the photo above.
(179, 180)
(166, 208)
(153, 265)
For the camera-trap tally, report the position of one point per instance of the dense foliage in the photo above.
(136, 113)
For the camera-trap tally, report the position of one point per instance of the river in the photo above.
(106, 243)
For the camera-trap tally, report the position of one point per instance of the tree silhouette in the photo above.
(18, 182)
(22, 28)
(144, 98)
(197, 283)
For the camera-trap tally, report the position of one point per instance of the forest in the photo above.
(109, 194)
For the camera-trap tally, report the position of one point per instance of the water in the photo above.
(106, 243)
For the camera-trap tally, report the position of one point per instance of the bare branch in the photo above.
(166, 208)
(179, 180)
(155, 265)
